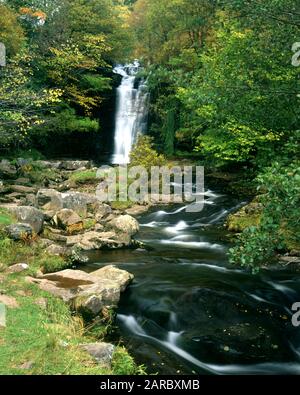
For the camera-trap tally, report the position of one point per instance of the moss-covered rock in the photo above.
(246, 217)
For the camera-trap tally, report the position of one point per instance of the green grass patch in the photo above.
(84, 176)
(44, 338)
(6, 218)
(122, 205)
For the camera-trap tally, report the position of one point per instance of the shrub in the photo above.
(144, 154)
(279, 228)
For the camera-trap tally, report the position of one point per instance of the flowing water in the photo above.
(189, 311)
(131, 111)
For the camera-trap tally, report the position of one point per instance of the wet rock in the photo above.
(137, 210)
(19, 231)
(29, 215)
(17, 268)
(107, 240)
(288, 260)
(125, 224)
(101, 352)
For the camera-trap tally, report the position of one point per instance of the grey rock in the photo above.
(107, 240)
(7, 170)
(101, 352)
(66, 218)
(17, 268)
(56, 250)
(29, 215)
(49, 200)
(89, 293)
(22, 189)
(72, 165)
(102, 211)
(19, 231)
(125, 224)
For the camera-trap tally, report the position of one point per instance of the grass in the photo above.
(6, 218)
(117, 205)
(89, 223)
(47, 338)
(84, 176)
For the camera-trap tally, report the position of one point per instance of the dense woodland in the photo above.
(220, 74)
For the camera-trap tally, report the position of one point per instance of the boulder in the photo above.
(106, 240)
(72, 165)
(101, 352)
(68, 220)
(88, 293)
(81, 203)
(73, 240)
(22, 181)
(7, 170)
(125, 224)
(49, 200)
(19, 231)
(121, 277)
(103, 210)
(52, 201)
(56, 250)
(31, 216)
(22, 189)
(49, 164)
(17, 268)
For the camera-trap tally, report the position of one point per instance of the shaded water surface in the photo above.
(189, 311)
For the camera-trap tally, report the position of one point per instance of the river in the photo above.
(189, 312)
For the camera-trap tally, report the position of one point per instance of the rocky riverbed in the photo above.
(52, 207)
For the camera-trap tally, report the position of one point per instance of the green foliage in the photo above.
(66, 122)
(52, 264)
(279, 225)
(71, 47)
(11, 33)
(143, 154)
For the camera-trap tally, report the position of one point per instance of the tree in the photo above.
(11, 33)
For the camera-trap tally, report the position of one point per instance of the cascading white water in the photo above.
(131, 112)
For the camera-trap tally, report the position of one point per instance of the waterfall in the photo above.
(131, 111)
